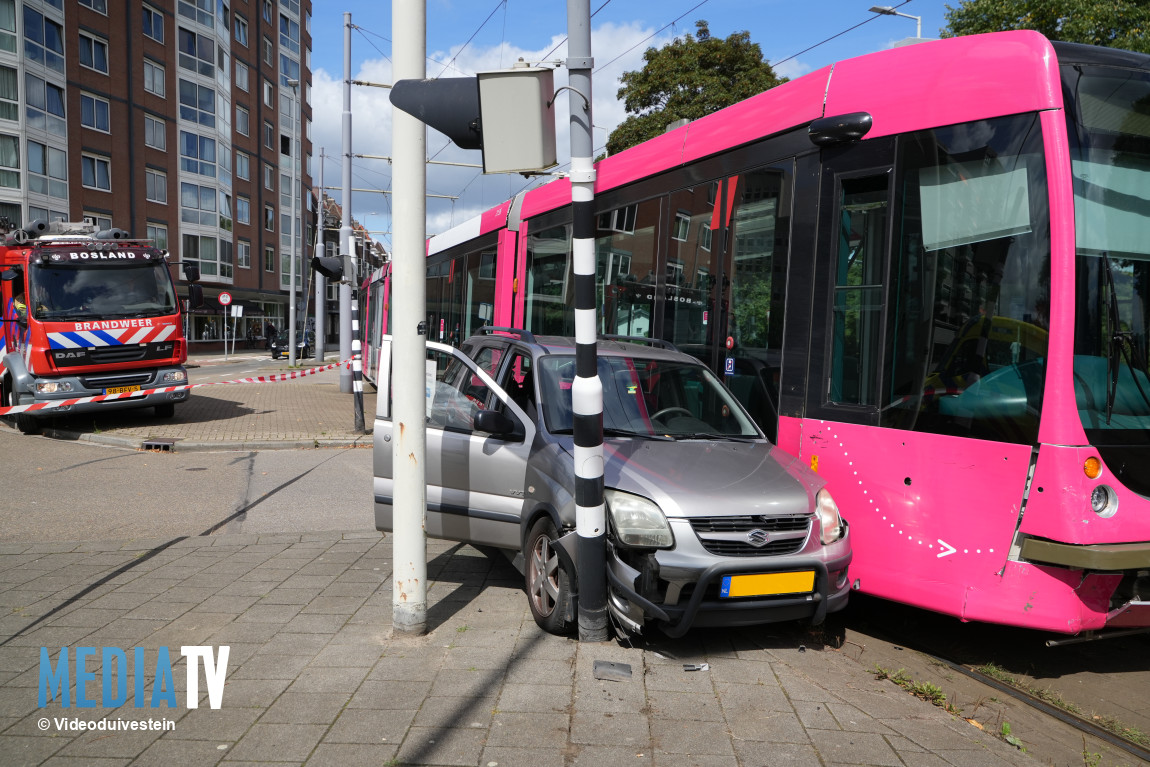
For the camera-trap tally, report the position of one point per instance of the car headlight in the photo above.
(830, 520)
(52, 387)
(173, 376)
(638, 521)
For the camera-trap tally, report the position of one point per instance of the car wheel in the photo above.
(27, 424)
(166, 410)
(547, 579)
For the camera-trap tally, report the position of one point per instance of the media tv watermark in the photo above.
(114, 688)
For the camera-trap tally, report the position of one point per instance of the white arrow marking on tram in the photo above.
(946, 545)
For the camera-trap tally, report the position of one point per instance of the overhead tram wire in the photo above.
(473, 34)
(832, 37)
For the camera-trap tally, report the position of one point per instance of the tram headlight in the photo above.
(1104, 501)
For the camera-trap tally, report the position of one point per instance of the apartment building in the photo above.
(182, 121)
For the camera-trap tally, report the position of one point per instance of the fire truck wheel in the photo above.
(27, 424)
(166, 410)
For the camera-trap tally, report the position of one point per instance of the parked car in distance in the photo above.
(281, 345)
(709, 524)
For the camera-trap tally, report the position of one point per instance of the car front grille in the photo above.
(108, 381)
(737, 536)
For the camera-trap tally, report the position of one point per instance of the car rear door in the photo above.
(475, 480)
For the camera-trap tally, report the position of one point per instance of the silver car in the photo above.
(709, 524)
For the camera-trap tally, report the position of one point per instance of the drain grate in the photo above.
(159, 445)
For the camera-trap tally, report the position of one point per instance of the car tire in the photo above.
(547, 581)
(27, 424)
(166, 410)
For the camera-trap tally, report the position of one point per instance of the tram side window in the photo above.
(625, 246)
(969, 292)
(858, 289)
(549, 294)
(754, 270)
(690, 269)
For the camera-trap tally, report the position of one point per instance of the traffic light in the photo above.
(508, 114)
(334, 268)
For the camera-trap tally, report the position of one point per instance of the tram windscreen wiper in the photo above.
(1121, 347)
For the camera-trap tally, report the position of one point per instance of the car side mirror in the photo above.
(494, 422)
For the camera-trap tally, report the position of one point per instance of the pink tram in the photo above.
(926, 272)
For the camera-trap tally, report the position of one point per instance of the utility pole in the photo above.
(345, 246)
(320, 280)
(409, 330)
(586, 389)
(292, 308)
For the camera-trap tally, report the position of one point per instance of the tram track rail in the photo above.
(1066, 702)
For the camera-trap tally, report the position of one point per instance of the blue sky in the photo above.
(468, 36)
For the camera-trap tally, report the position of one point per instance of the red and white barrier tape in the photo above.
(53, 404)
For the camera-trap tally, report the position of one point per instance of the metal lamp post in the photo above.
(887, 10)
(294, 84)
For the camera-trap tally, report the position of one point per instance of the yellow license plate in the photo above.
(767, 584)
(120, 389)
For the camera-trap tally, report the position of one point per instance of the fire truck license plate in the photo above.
(120, 389)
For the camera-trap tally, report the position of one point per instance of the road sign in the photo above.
(225, 298)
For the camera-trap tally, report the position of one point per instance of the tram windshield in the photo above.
(1109, 126)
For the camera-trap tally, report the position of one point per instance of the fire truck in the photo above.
(91, 323)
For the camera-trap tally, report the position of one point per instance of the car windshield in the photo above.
(651, 398)
(1109, 128)
(67, 292)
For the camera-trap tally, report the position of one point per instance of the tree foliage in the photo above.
(1111, 23)
(689, 78)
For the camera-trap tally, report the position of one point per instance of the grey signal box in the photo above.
(517, 115)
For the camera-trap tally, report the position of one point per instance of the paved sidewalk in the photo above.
(316, 676)
(306, 412)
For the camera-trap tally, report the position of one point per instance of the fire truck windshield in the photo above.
(70, 292)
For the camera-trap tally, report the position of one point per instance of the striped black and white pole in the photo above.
(586, 389)
(356, 354)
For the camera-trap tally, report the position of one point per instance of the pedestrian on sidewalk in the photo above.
(269, 335)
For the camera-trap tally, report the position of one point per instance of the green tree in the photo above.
(689, 78)
(1113, 23)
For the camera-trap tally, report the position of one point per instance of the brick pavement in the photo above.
(315, 676)
(306, 412)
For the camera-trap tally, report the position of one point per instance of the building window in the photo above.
(99, 6)
(8, 26)
(226, 216)
(241, 30)
(269, 219)
(269, 259)
(705, 236)
(153, 24)
(244, 254)
(289, 69)
(242, 76)
(269, 135)
(45, 106)
(197, 53)
(242, 121)
(243, 166)
(200, 250)
(197, 204)
(243, 210)
(158, 234)
(43, 40)
(154, 79)
(681, 227)
(269, 177)
(197, 103)
(94, 113)
(101, 222)
(269, 94)
(620, 220)
(96, 172)
(9, 161)
(155, 133)
(197, 154)
(157, 186)
(93, 53)
(199, 11)
(47, 170)
(9, 92)
(267, 10)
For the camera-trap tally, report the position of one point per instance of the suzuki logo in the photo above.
(758, 538)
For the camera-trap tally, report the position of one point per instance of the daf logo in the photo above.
(758, 538)
(69, 355)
